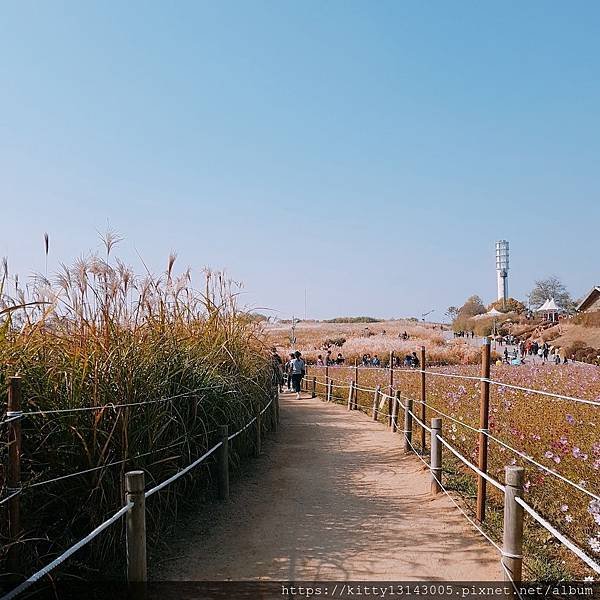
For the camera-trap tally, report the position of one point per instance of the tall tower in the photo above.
(502, 269)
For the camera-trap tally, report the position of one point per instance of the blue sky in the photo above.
(368, 152)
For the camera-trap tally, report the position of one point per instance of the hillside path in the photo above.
(331, 497)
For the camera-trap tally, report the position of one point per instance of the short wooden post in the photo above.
(423, 399)
(223, 461)
(436, 456)
(376, 402)
(329, 389)
(258, 433)
(314, 388)
(484, 409)
(350, 395)
(356, 384)
(13, 479)
(391, 390)
(395, 411)
(512, 546)
(408, 425)
(275, 409)
(137, 570)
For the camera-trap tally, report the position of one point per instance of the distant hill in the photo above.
(353, 320)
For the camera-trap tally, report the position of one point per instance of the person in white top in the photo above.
(297, 370)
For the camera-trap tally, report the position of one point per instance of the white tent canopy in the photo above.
(549, 305)
(490, 313)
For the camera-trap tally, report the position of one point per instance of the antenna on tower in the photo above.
(502, 266)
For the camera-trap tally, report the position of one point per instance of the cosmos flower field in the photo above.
(562, 436)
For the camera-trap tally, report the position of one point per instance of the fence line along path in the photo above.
(335, 498)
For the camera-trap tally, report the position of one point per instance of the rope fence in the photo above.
(511, 568)
(513, 489)
(134, 507)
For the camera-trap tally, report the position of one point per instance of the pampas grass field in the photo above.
(97, 335)
(373, 338)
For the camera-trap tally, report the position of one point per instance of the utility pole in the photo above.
(293, 336)
(305, 304)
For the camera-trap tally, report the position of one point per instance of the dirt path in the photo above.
(332, 497)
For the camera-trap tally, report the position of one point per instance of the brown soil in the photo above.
(331, 498)
(590, 336)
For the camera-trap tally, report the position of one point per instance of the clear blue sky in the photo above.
(370, 152)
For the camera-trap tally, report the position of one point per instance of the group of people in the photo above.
(464, 334)
(328, 361)
(292, 371)
(544, 350)
(532, 349)
(370, 361)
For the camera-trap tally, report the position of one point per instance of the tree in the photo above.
(452, 312)
(552, 287)
(472, 307)
(511, 305)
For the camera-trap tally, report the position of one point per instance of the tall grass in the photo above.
(100, 335)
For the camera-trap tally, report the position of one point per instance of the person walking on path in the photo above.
(288, 371)
(297, 370)
(277, 368)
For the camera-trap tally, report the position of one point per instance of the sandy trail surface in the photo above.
(331, 498)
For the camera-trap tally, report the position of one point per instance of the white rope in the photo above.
(417, 454)
(477, 527)
(242, 429)
(340, 387)
(362, 389)
(508, 447)
(450, 375)
(179, 474)
(12, 415)
(514, 387)
(439, 412)
(543, 393)
(267, 406)
(541, 466)
(110, 405)
(57, 561)
(112, 464)
(14, 493)
(471, 465)
(557, 534)
(410, 412)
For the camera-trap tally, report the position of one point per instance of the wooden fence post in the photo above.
(223, 461)
(395, 411)
(423, 399)
(484, 409)
(13, 479)
(275, 409)
(314, 388)
(137, 570)
(258, 433)
(512, 546)
(436, 456)
(329, 389)
(408, 425)
(376, 402)
(356, 384)
(350, 395)
(391, 391)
